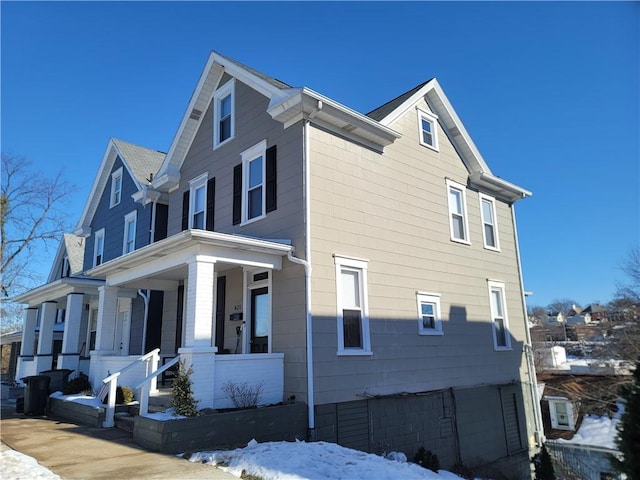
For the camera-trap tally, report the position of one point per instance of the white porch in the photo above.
(186, 267)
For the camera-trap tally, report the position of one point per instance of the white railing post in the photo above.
(144, 400)
(111, 404)
(155, 362)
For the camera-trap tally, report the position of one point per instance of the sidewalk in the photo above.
(76, 452)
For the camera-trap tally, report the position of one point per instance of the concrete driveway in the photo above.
(76, 452)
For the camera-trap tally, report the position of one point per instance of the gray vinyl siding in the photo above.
(391, 209)
(252, 125)
(112, 219)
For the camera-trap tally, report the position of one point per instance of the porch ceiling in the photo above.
(161, 265)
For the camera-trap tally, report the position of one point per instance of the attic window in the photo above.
(116, 188)
(561, 413)
(428, 129)
(224, 114)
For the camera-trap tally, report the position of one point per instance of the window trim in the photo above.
(131, 217)
(452, 185)
(228, 89)
(259, 150)
(432, 298)
(499, 286)
(112, 200)
(100, 234)
(194, 185)
(492, 201)
(361, 266)
(553, 413)
(433, 121)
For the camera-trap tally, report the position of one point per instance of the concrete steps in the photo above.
(159, 401)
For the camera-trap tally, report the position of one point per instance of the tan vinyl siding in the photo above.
(392, 210)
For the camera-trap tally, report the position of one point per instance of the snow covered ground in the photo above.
(598, 431)
(269, 461)
(314, 461)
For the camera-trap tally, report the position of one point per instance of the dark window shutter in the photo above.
(162, 216)
(185, 210)
(271, 193)
(211, 203)
(237, 194)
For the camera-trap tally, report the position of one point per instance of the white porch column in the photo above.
(199, 322)
(105, 332)
(199, 327)
(70, 356)
(28, 343)
(44, 356)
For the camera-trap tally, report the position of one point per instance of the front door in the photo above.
(260, 320)
(123, 327)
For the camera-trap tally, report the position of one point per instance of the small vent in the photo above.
(349, 128)
(195, 114)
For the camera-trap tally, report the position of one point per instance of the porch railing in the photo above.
(146, 385)
(151, 359)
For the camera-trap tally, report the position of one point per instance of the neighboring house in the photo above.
(580, 413)
(553, 318)
(596, 312)
(366, 265)
(112, 224)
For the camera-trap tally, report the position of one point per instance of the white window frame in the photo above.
(434, 299)
(553, 413)
(494, 225)
(116, 193)
(129, 218)
(257, 151)
(228, 89)
(499, 287)
(98, 241)
(451, 185)
(360, 266)
(194, 185)
(433, 121)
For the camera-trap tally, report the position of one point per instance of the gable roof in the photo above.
(140, 162)
(480, 174)
(290, 105)
(73, 247)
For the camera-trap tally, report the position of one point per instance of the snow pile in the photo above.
(313, 461)
(598, 431)
(16, 466)
(79, 398)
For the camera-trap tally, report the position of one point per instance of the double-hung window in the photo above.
(501, 336)
(489, 222)
(116, 188)
(197, 206)
(352, 306)
(129, 239)
(428, 129)
(224, 114)
(98, 247)
(429, 319)
(253, 183)
(459, 224)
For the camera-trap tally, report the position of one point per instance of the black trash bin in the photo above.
(59, 379)
(36, 393)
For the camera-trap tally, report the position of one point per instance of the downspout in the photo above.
(307, 270)
(528, 348)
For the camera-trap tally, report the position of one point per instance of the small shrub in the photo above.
(123, 395)
(242, 394)
(426, 459)
(79, 384)
(183, 401)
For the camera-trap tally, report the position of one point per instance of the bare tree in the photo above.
(563, 305)
(631, 267)
(31, 216)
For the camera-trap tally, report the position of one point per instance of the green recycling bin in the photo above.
(36, 393)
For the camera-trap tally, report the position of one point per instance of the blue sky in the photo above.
(548, 91)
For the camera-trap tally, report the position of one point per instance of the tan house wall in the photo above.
(392, 210)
